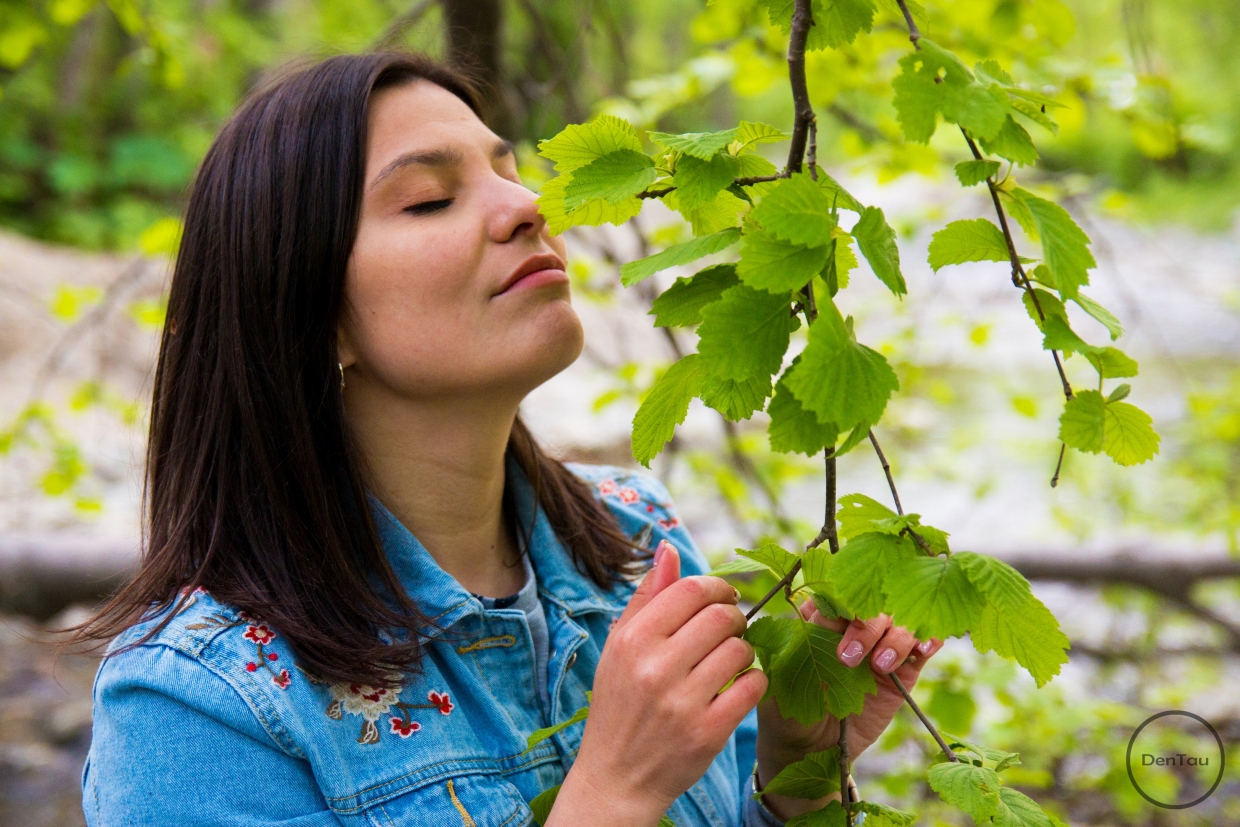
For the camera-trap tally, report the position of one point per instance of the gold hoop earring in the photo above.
(341, 366)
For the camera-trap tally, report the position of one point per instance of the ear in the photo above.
(345, 354)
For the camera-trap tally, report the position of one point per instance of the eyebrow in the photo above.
(443, 157)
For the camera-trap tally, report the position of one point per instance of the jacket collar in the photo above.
(445, 601)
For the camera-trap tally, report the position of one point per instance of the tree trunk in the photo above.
(475, 45)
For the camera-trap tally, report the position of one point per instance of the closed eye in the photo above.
(427, 207)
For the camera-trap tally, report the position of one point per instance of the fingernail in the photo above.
(925, 646)
(659, 551)
(852, 653)
(886, 659)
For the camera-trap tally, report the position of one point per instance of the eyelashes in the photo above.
(428, 207)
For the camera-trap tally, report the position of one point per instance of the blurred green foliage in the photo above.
(108, 105)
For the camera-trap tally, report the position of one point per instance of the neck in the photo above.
(438, 466)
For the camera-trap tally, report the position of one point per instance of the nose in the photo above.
(513, 212)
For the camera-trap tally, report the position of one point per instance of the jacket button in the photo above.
(572, 658)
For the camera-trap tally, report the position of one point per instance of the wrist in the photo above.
(587, 798)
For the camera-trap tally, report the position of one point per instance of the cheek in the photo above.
(412, 305)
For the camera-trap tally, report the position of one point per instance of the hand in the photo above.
(657, 716)
(783, 741)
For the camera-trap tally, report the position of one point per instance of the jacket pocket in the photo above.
(459, 801)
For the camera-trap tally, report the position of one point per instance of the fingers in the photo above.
(891, 649)
(720, 665)
(675, 605)
(860, 637)
(730, 706)
(922, 652)
(664, 571)
(706, 631)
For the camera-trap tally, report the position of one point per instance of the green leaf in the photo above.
(542, 804)
(736, 399)
(1013, 143)
(975, 172)
(934, 81)
(969, 240)
(701, 145)
(1001, 585)
(665, 407)
(1019, 810)
(972, 789)
(837, 196)
(770, 263)
(880, 815)
(720, 213)
(779, 560)
(859, 573)
(698, 181)
(634, 271)
(836, 22)
(1034, 112)
(1120, 392)
(841, 381)
(1111, 363)
(1030, 636)
(817, 775)
(1065, 246)
(752, 132)
(1124, 432)
(1108, 320)
(816, 565)
(1020, 211)
(551, 203)
(793, 429)
(614, 177)
(878, 244)
(932, 597)
(745, 333)
(1052, 307)
(738, 565)
(855, 437)
(681, 304)
(995, 759)
(802, 660)
(539, 735)
(857, 513)
(797, 210)
(579, 144)
(831, 815)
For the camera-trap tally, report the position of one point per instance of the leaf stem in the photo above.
(951, 756)
(913, 34)
(1059, 465)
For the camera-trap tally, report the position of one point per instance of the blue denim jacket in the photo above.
(211, 722)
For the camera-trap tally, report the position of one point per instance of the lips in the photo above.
(533, 264)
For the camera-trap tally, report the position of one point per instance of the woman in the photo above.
(364, 583)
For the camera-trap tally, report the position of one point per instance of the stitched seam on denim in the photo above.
(258, 703)
(702, 800)
(374, 819)
(544, 753)
(492, 642)
(515, 813)
(460, 808)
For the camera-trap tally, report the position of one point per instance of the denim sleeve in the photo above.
(173, 743)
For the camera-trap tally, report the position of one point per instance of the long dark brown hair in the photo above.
(254, 489)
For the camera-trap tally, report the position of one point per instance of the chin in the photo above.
(555, 343)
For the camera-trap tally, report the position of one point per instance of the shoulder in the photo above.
(643, 508)
(207, 658)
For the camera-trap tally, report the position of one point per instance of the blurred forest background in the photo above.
(107, 106)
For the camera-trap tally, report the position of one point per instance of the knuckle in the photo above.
(693, 587)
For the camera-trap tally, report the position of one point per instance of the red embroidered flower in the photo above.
(251, 667)
(404, 728)
(649, 508)
(629, 495)
(672, 523)
(272, 656)
(607, 487)
(441, 701)
(260, 633)
(282, 680)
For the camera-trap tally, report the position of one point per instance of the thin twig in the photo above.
(913, 34)
(891, 483)
(951, 756)
(828, 522)
(1059, 465)
(802, 19)
(845, 793)
(776, 589)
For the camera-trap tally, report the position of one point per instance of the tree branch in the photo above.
(951, 756)
(802, 19)
(891, 482)
(845, 792)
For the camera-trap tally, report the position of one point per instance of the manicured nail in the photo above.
(886, 659)
(851, 655)
(925, 646)
(659, 551)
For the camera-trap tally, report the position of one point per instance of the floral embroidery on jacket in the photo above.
(257, 632)
(373, 702)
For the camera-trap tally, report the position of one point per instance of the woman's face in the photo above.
(446, 225)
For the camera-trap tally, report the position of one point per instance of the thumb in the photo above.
(664, 572)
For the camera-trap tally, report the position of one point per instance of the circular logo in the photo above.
(1171, 747)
